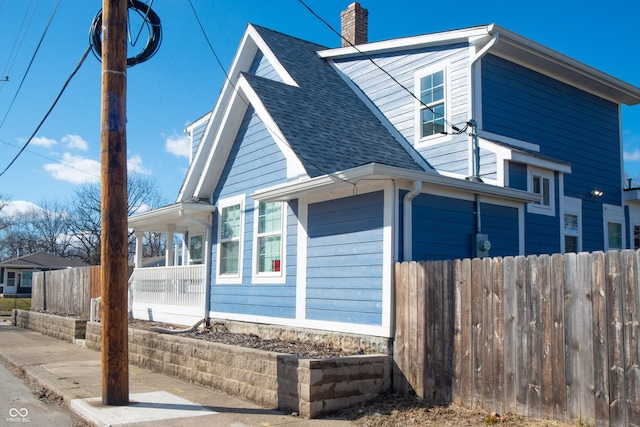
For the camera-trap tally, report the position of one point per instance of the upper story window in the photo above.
(230, 238)
(542, 182)
(572, 227)
(432, 106)
(432, 110)
(269, 238)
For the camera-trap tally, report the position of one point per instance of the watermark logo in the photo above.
(18, 416)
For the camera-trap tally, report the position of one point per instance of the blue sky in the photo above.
(182, 81)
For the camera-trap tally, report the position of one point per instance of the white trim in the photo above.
(387, 257)
(301, 253)
(541, 209)
(279, 277)
(420, 141)
(615, 214)
(229, 278)
(634, 220)
(483, 134)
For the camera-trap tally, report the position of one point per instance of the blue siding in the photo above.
(518, 176)
(398, 104)
(254, 162)
(568, 124)
(263, 68)
(542, 232)
(443, 228)
(196, 137)
(345, 257)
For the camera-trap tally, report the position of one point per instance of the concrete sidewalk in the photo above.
(75, 373)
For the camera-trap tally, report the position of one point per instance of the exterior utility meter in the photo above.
(480, 245)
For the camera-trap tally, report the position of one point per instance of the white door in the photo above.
(11, 283)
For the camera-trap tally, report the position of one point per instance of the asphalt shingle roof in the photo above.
(325, 122)
(42, 260)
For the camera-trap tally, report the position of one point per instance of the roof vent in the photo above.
(355, 25)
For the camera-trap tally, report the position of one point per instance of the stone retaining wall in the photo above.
(60, 327)
(292, 383)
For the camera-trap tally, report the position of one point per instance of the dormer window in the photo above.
(432, 104)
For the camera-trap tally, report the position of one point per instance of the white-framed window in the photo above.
(572, 225)
(26, 280)
(195, 249)
(613, 217)
(230, 232)
(269, 241)
(542, 182)
(432, 109)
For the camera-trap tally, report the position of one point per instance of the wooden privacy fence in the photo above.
(66, 291)
(542, 336)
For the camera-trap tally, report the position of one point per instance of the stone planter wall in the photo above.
(60, 327)
(292, 383)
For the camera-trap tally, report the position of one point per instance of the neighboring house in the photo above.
(16, 274)
(320, 168)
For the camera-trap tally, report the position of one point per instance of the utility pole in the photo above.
(113, 174)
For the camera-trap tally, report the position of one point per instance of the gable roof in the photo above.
(312, 113)
(42, 260)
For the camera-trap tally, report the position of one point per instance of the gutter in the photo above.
(207, 261)
(407, 220)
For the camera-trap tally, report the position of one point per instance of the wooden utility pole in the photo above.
(113, 171)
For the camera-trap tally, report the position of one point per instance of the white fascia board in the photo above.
(273, 60)
(518, 156)
(567, 67)
(376, 171)
(160, 218)
(405, 43)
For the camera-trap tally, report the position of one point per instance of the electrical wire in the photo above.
(84, 56)
(246, 102)
(50, 159)
(457, 130)
(30, 63)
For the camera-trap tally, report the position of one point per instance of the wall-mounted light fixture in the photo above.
(596, 193)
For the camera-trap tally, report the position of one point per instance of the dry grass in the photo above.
(8, 304)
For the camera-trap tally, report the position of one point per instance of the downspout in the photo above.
(207, 261)
(407, 219)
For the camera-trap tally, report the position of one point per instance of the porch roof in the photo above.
(178, 217)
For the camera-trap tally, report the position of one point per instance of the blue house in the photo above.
(320, 168)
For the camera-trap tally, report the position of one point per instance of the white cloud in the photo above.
(75, 141)
(178, 145)
(18, 206)
(41, 141)
(632, 156)
(134, 165)
(75, 169)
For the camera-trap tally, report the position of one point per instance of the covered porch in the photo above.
(178, 291)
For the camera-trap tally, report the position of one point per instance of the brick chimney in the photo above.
(355, 25)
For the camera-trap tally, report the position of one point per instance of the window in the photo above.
(432, 105)
(614, 235)
(230, 239)
(570, 232)
(26, 279)
(269, 238)
(542, 183)
(636, 236)
(572, 225)
(195, 249)
(613, 225)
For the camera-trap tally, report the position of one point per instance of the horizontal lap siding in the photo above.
(568, 124)
(196, 137)
(542, 232)
(443, 226)
(255, 162)
(263, 68)
(344, 260)
(398, 104)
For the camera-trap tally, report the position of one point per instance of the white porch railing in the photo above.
(179, 286)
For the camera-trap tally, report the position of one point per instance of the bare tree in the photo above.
(142, 194)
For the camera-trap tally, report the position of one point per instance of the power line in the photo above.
(30, 63)
(413, 95)
(84, 56)
(50, 159)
